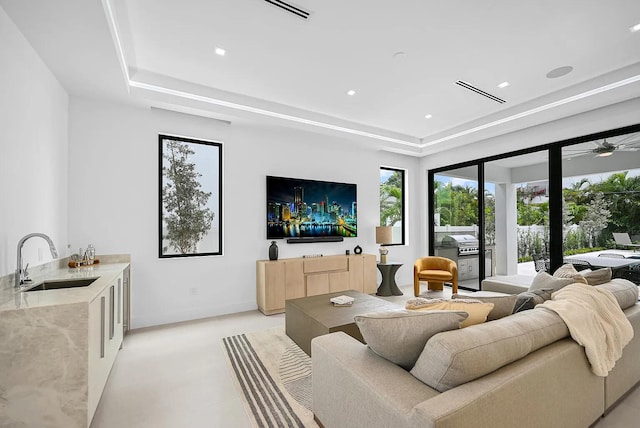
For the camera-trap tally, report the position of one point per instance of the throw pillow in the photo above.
(400, 335)
(598, 276)
(476, 309)
(544, 280)
(502, 305)
(529, 299)
(569, 271)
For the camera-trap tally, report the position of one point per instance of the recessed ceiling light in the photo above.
(634, 28)
(428, 116)
(503, 85)
(220, 51)
(351, 92)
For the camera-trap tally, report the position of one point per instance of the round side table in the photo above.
(388, 286)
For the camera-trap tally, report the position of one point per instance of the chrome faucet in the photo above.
(21, 274)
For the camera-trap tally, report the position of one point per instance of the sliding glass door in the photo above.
(601, 196)
(517, 213)
(538, 206)
(456, 222)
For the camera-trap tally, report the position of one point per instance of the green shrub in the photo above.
(582, 250)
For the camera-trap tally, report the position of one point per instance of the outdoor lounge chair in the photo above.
(623, 240)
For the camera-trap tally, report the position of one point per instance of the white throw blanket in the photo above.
(595, 321)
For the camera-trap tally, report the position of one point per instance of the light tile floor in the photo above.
(177, 376)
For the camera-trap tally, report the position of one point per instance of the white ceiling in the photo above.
(282, 69)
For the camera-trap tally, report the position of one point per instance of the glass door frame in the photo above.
(555, 192)
(431, 210)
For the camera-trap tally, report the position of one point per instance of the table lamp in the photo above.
(384, 235)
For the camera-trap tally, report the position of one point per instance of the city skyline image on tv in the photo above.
(299, 208)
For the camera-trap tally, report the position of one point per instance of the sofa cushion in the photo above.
(503, 304)
(569, 271)
(544, 280)
(598, 276)
(476, 309)
(510, 284)
(452, 358)
(529, 299)
(400, 335)
(625, 291)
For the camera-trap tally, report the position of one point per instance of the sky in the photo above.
(490, 187)
(385, 174)
(596, 178)
(566, 181)
(206, 159)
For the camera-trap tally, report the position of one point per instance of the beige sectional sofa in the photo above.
(552, 385)
(510, 284)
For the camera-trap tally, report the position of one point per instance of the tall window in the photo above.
(392, 200)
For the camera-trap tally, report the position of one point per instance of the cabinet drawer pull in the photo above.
(111, 311)
(102, 326)
(119, 301)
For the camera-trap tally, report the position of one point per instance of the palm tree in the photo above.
(623, 194)
(391, 200)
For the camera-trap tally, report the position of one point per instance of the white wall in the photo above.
(113, 203)
(33, 154)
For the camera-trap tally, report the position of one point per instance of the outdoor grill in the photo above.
(467, 245)
(464, 250)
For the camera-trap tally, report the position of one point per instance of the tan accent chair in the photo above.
(436, 271)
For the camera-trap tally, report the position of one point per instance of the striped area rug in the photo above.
(274, 377)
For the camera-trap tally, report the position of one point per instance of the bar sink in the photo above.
(64, 283)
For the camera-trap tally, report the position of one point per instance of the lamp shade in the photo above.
(384, 234)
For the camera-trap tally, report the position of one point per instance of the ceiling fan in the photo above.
(604, 148)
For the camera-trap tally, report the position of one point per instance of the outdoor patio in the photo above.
(527, 268)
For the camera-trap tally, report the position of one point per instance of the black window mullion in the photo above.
(481, 228)
(431, 214)
(555, 207)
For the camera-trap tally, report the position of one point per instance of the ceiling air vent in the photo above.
(479, 91)
(290, 8)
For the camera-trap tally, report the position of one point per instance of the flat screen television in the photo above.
(299, 209)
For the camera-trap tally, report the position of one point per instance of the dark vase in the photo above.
(273, 251)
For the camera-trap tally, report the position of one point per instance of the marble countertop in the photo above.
(13, 299)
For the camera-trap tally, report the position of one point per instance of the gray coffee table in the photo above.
(309, 317)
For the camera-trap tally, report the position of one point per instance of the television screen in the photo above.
(298, 208)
